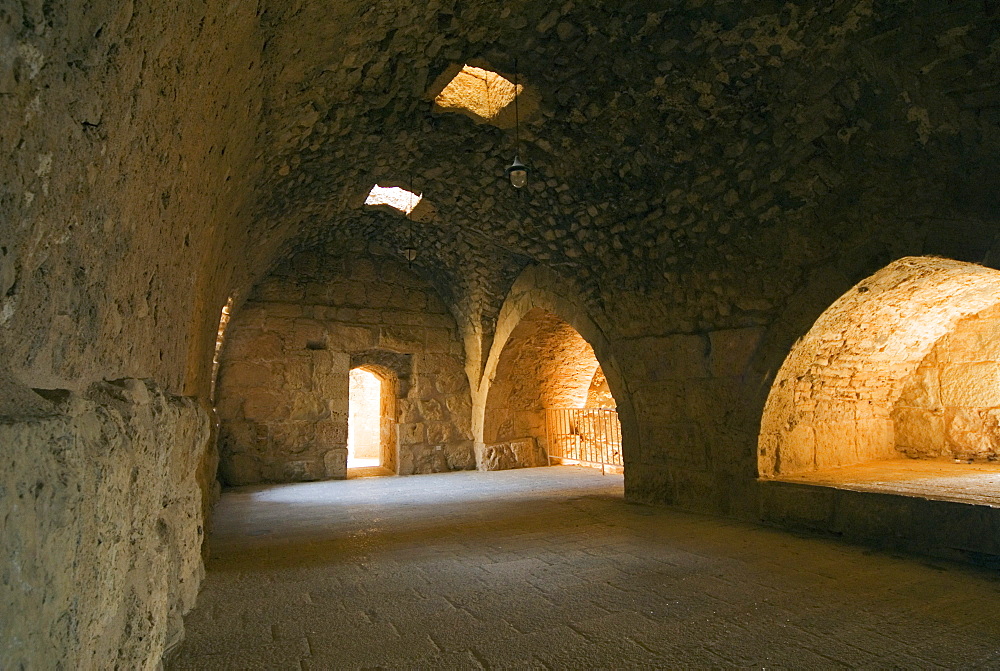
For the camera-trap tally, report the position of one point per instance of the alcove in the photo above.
(896, 387)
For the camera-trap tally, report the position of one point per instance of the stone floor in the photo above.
(550, 568)
(943, 480)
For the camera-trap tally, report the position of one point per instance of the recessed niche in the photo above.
(481, 94)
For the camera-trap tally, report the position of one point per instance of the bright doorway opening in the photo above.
(372, 445)
(364, 424)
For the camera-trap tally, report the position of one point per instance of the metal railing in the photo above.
(591, 436)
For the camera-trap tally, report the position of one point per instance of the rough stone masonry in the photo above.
(708, 178)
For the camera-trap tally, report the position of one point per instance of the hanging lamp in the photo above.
(517, 172)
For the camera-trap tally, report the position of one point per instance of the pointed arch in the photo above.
(539, 288)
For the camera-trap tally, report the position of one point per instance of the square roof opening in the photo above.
(393, 196)
(479, 93)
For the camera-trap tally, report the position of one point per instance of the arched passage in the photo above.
(542, 304)
(547, 378)
(905, 364)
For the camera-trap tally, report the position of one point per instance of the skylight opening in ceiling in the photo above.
(394, 197)
(483, 93)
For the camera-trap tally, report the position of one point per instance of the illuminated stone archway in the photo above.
(903, 364)
(546, 365)
(541, 301)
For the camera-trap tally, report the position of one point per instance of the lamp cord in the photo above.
(517, 117)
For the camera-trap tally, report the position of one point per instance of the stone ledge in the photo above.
(958, 530)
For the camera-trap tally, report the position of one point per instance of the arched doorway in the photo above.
(371, 425)
(896, 387)
(549, 401)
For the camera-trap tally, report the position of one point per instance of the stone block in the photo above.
(972, 385)
(407, 411)
(437, 340)
(922, 389)
(695, 489)
(307, 407)
(686, 445)
(432, 410)
(304, 333)
(396, 299)
(797, 505)
(335, 463)
(240, 436)
(439, 433)
(316, 294)
(355, 294)
(450, 381)
(836, 443)
(976, 339)
(331, 377)
(919, 432)
(798, 451)
(428, 459)
(331, 433)
(520, 453)
(359, 268)
(336, 294)
(460, 455)
(369, 316)
(731, 350)
(967, 435)
(874, 439)
(675, 357)
(237, 376)
(416, 300)
(649, 485)
(295, 374)
(401, 338)
(347, 338)
(273, 312)
(304, 264)
(410, 434)
(459, 405)
(381, 295)
(289, 438)
(275, 290)
(300, 470)
(267, 345)
(266, 406)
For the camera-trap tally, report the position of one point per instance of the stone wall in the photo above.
(101, 512)
(123, 177)
(950, 405)
(120, 186)
(283, 381)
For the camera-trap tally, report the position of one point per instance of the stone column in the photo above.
(331, 379)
